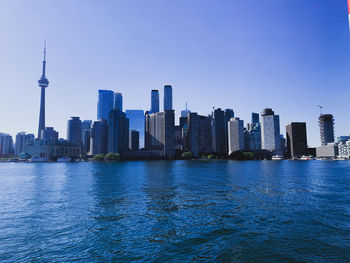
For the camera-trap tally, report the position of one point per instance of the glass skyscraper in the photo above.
(118, 101)
(270, 131)
(137, 123)
(105, 103)
(168, 97)
(154, 101)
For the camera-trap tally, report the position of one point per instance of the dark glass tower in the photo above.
(43, 84)
(326, 122)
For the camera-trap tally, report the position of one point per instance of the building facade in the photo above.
(159, 132)
(6, 144)
(99, 137)
(134, 140)
(270, 131)
(74, 131)
(328, 151)
(118, 101)
(168, 98)
(137, 123)
(235, 135)
(218, 132)
(49, 133)
(326, 122)
(86, 136)
(21, 140)
(296, 139)
(105, 103)
(154, 101)
(118, 132)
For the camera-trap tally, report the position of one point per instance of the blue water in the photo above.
(179, 211)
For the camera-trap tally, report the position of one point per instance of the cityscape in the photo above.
(136, 134)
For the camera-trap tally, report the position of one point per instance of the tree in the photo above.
(99, 157)
(112, 157)
(187, 156)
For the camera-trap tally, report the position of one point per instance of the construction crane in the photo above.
(320, 107)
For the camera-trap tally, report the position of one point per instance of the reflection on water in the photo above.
(178, 211)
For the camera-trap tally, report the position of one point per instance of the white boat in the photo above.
(64, 159)
(38, 160)
(307, 158)
(277, 158)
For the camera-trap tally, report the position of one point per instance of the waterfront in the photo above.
(167, 211)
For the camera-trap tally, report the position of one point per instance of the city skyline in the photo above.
(226, 87)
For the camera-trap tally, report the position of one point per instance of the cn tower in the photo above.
(43, 84)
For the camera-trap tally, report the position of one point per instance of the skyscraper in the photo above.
(185, 112)
(168, 97)
(74, 131)
(21, 140)
(326, 122)
(255, 118)
(229, 114)
(118, 101)
(86, 136)
(235, 135)
(49, 133)
(137, 123)
(105, 103)
(218, 132)
(6, 144)
(99, 137)
(159, 132)
(154, 101)
(296, 139)
(134, 140)
(270, 131)
(43, 84)
(118, 132)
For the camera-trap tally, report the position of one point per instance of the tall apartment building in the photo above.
(270, 131)
(235, 135)
(326, 122)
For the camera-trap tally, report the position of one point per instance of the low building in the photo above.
(344, 149)
(52, 149)
(327, 151)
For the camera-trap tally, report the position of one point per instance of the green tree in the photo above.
(112, 157)
(187, 156)
(99, 157)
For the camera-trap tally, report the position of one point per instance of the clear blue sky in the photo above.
(246, 55)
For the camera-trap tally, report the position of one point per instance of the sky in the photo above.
(289, 55)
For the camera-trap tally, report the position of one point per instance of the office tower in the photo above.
(218, 131)
(74, 131)
(270, 131)
(99, 137)
(86, 136)
(198, 135)
(49, 134)
(118, 101)
(43, 84)
(118, 132)
(168, 97)
(255, 118)
(235, 135)
(252, 137)
(105, 103)
(137, 123)
(154, 101)
(326, 122)
(185, 112)
(296, 139)
(134, 142)
(229, 114)
(159, 132)
(21, 140)
(6, 144)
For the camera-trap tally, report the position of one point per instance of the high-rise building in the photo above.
(99, 137)
(118, 132)
(137, 123)
(49, 134)
(118, 101)
(159, 132)
(235, 135)
(6, 144)
(134, 140)
(105, 103)
(326, 122)
(252, 137)
(229, 114)
(185, 112)
(296, 139)
(270, 131)
(168, 97)
(218, 131)
(154, 101)
(21, 140)
(43, 84)
(86, 136)
(255, 118)
(74, 131)
(198, 135)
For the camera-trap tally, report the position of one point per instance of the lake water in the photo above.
(175, 211)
